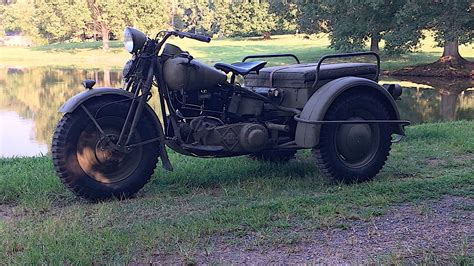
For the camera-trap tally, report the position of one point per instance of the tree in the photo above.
(150, 16)
(61, 20)
(452, 23)
(352, 23)
(108, 16)
(221, 14)
(311, 19)
(286, 16)
(249, 18)
(349, 23)
(195, 16)
(19, 18)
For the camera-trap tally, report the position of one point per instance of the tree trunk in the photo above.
(374, 43)
(451, 51)
(105, 37)
(106, 77)
(266, 35)
(95, 30)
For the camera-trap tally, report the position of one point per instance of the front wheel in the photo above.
(354, 152)
(86, 161)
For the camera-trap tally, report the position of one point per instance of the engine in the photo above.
(236, 138)
(213, 117)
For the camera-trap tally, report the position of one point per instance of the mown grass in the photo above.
(90, 55)
(234, 201)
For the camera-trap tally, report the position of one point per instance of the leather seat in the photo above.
(241, 68)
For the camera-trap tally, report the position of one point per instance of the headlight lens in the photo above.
(128, 40)
(133, 39)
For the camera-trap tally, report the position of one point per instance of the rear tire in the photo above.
(85, 161)
(353, 153)
(281, 156)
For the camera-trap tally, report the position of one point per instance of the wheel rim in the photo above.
(357, 144)
(97, 157)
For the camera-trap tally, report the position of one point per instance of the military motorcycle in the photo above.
(108, 141)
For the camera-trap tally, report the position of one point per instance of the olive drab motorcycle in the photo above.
(109, 140)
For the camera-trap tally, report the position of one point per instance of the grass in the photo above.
(90, 55)
(235, 200)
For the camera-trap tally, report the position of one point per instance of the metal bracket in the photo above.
(322, 122)
(397, 138)
(93, 120)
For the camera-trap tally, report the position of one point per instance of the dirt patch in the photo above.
(7, 212)
(441, 68)
(434, 230)
(457, 159)
(434, 161)
(464, 158)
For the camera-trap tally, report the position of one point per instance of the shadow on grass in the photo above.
(210, 173)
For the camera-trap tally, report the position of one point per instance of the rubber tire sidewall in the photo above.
(327, 160)
(65, 160)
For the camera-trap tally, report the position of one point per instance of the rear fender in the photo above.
(307, 135)
(74, 102)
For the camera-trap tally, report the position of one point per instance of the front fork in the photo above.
(136, 109)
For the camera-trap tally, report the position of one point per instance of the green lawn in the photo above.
(89, 54)
(183, 211)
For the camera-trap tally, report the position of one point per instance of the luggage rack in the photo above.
(271, 56)
(320, 62)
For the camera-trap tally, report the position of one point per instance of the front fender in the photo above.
(75, 101)
(307, 135)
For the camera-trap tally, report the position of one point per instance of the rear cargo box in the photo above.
(296, 81)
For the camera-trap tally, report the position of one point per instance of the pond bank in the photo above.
(443, 68)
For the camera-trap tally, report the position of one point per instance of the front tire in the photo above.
(354, 152)
(87, 164)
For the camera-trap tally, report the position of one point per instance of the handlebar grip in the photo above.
(190, 35)
(198, 37)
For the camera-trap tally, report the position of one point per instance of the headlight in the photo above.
(133, 39)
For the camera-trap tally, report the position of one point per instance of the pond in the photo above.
(30, 98)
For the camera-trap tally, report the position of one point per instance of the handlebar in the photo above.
(190, 35)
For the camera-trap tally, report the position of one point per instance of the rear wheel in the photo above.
(86, 161)
(354, 152)
(280, 156)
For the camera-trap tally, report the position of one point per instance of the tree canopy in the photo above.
(350, 24)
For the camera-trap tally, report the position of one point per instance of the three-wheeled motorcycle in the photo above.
(108, 142)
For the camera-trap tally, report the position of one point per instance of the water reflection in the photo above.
(30, 98)
(435, 99)
(17, 135)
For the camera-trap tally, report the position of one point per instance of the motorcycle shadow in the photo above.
(205, 173)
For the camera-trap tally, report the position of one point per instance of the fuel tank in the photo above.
(183, 73)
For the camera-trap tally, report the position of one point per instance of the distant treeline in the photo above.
(349, 23)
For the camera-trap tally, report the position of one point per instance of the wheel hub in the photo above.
(356, 142)
(98, 156)
(105, 151)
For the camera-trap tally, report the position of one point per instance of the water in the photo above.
(30, 98)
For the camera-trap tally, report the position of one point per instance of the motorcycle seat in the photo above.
(241, 68)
